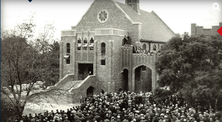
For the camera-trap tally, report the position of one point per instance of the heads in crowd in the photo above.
(127, 107)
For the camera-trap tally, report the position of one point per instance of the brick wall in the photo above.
(67, 68)
(116, 19)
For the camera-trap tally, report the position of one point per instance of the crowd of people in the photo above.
(127, 107)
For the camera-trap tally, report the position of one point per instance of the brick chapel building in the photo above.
(114, 46)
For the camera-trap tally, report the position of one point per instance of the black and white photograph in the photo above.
(111, 61)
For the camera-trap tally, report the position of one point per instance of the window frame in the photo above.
(103, 49)
(68, 48)
(103, 62)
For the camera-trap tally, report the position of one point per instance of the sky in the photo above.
(177, 14)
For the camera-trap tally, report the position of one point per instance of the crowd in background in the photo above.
(127, 107)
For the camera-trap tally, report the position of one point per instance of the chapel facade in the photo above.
(114, 46)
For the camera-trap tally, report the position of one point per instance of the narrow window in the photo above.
(85, 40)
(67, 58)
(79, 40)
(91, 40)
(79, 45)
(144, 46)
(68, 61)
(103, 49)
(103, 62)
(85, 44)
(154, 47)
(91, 45)
(67, 48)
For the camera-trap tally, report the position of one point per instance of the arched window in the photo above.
(91, 45)
(144, 46)
(103, 49)
(91, 40)
(79, 40)
(154, 47)
(67, 48)
(85, 40)
(79, 44)
(85, 44)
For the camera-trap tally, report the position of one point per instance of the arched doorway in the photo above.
(125, 80)
(143, 79)
(90, 91)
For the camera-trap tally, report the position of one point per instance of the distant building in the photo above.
(114, 46)
(199, 30)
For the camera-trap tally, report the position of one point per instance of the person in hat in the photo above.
(113, 119)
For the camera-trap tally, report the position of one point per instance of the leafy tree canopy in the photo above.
(192, 66)
(26, 59)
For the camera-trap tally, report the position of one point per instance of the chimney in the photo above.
(133, 4)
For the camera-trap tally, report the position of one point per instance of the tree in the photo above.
(52, 65)
(23, 62)
(192, 67)
(7, 110)
(20, 64)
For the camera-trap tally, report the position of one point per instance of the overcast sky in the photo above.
(177, 14)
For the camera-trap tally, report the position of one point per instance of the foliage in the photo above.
(24, 61)
(192, 67)
(161, 94)
(7, 110)
(52, 65)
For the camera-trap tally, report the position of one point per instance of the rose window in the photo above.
(102, 16)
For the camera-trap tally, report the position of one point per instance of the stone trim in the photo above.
(110, 31)
(68, 33)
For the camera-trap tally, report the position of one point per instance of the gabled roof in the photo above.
(153, 27)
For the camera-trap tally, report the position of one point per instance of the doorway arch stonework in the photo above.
(153, 76)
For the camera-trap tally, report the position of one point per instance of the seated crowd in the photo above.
(127, 107)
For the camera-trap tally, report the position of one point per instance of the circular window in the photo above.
(102, 16)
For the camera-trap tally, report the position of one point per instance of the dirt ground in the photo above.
(47, 101)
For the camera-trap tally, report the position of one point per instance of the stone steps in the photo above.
(70, 84)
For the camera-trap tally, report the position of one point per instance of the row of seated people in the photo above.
(127, 107)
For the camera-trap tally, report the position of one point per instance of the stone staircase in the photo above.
(68, 90)
(70, 85)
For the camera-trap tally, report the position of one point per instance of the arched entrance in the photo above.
(90, 91)
(125, 80)
(143, 79)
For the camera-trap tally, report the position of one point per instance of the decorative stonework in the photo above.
(110, 31)
(102, 16)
